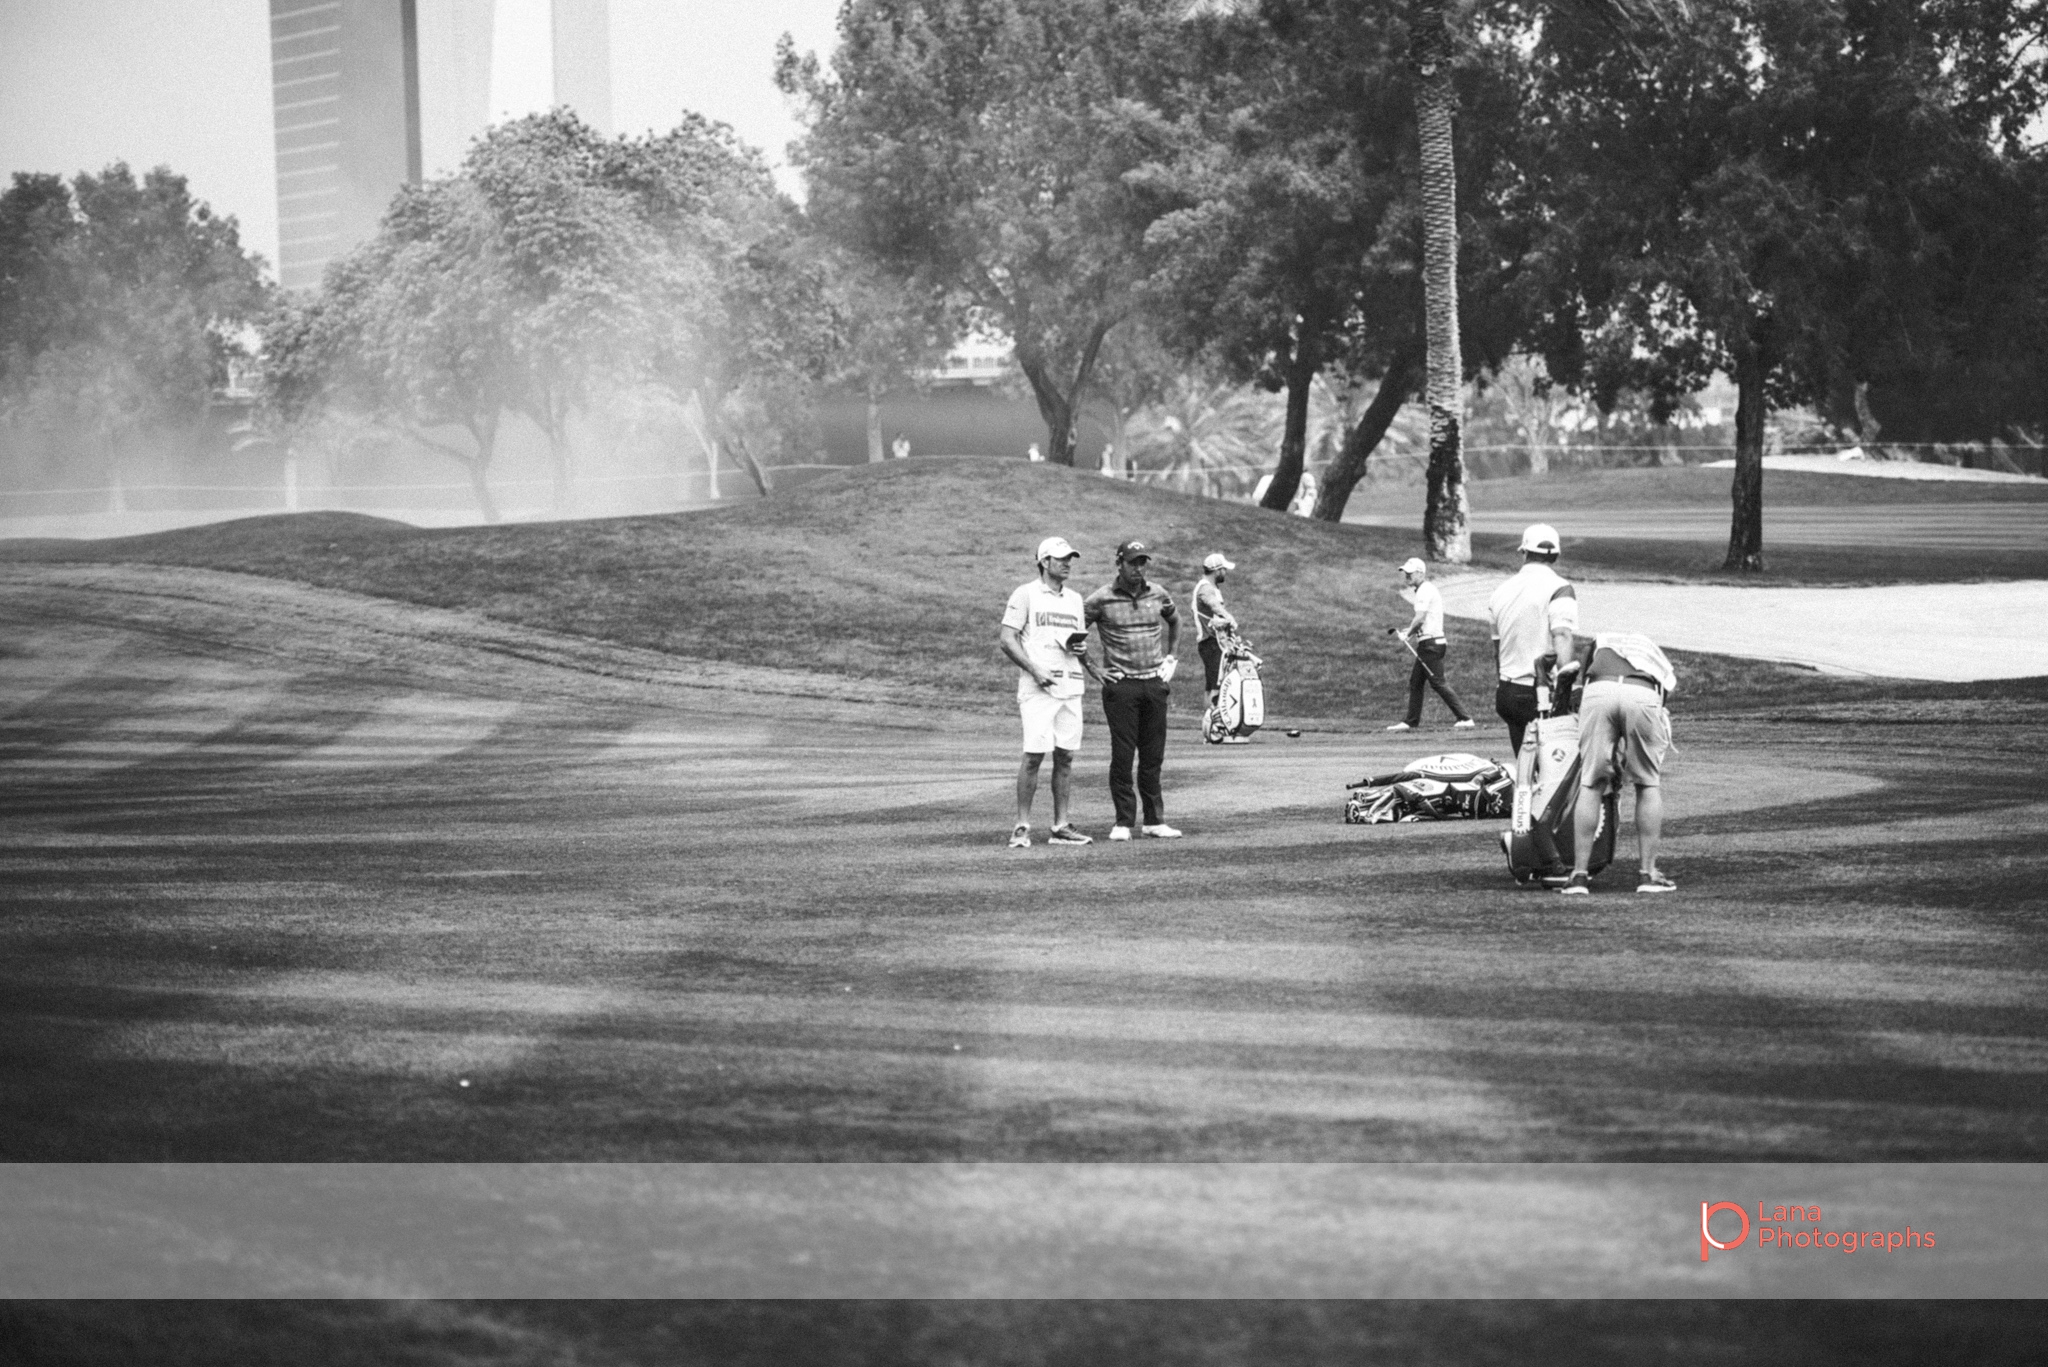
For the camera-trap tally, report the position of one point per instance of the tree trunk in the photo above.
(1286, 482)
(1361, 441)
(875, 452)
(484, 433)
(1446, 517)
(1056, 406)
(1746, 526)
(753, 467)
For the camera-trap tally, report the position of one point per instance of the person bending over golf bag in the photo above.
(1425, 641)
(1624, 733)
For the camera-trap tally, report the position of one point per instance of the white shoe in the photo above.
(1020, 839)
(1400, 726)
(1237, 740)
(1162, 832)
(1465, 725)
(1119, 832)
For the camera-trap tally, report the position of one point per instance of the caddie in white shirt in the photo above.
(1534, 614)
(1045, 635)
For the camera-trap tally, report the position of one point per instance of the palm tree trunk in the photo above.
(874, 423)
(1446, 517)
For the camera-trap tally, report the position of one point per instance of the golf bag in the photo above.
(1240, 698)
(1438, 788)
(1541, 835)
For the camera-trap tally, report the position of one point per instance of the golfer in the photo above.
(1624, 732)
(1209, 613)
(1042, 635)
(1426, 640)
(1139, 631)
(1534, 614)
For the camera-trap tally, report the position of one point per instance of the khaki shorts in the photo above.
(1623, 721)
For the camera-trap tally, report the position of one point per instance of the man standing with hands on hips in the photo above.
(1139, 630)
(1534, 614)
(1427, 642)
(1042, 635)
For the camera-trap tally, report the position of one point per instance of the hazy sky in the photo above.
(187, 83)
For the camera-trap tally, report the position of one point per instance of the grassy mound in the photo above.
(899, 571)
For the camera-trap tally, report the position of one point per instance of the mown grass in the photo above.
(898, 572)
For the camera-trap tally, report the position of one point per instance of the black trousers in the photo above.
(1516, 704)
(1212, 661)
(1429, 672)
(1136, 710)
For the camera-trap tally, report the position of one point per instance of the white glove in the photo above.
(1166, 668)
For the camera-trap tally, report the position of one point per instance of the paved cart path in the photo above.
(1903, 631)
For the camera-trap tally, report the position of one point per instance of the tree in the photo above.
(413, 329)
(979, 150)
(1435, 42)
(122, 304)
(1757, 195)
(1295, 247)
(580, 269)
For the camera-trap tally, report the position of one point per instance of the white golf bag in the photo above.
(1240, 698)
(1541, 834)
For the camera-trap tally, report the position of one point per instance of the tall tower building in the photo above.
(344, 77)
(370, 94)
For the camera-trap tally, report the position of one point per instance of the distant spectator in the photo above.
(900, 448)
(1304, 496)
(1035, 455)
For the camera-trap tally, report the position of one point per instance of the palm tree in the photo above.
(1446, 517)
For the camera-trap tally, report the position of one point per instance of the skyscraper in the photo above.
(370, 94)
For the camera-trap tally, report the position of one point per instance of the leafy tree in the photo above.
(1760, 195)
(1296, 245)
(414, 328)
(979, 150)
(755, 325)
(122, 305)
(1436, 41)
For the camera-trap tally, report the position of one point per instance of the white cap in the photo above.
(1414, 565)
(1057, 548)
(1217, 562)
(1542, 537)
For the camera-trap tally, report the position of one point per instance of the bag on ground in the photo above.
(1456, 787)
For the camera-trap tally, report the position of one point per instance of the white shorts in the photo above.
(1049, 723)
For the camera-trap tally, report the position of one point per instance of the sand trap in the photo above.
(1952, 632)
(1859, 464)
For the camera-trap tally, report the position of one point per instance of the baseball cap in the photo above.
(1414, 565)
(1133, 550)
(1217, 562)
(1057, 548)
(1540, 537)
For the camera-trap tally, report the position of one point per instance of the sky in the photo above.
(186, 83)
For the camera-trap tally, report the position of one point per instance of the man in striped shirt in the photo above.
(1139, 629)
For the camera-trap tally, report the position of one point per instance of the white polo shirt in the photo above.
(1045, 620)
(1428, 602)
(1525, 611)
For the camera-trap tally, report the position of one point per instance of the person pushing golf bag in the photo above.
(1240, 707)
(1539, 841)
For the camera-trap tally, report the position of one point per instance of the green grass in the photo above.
(898, 573)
